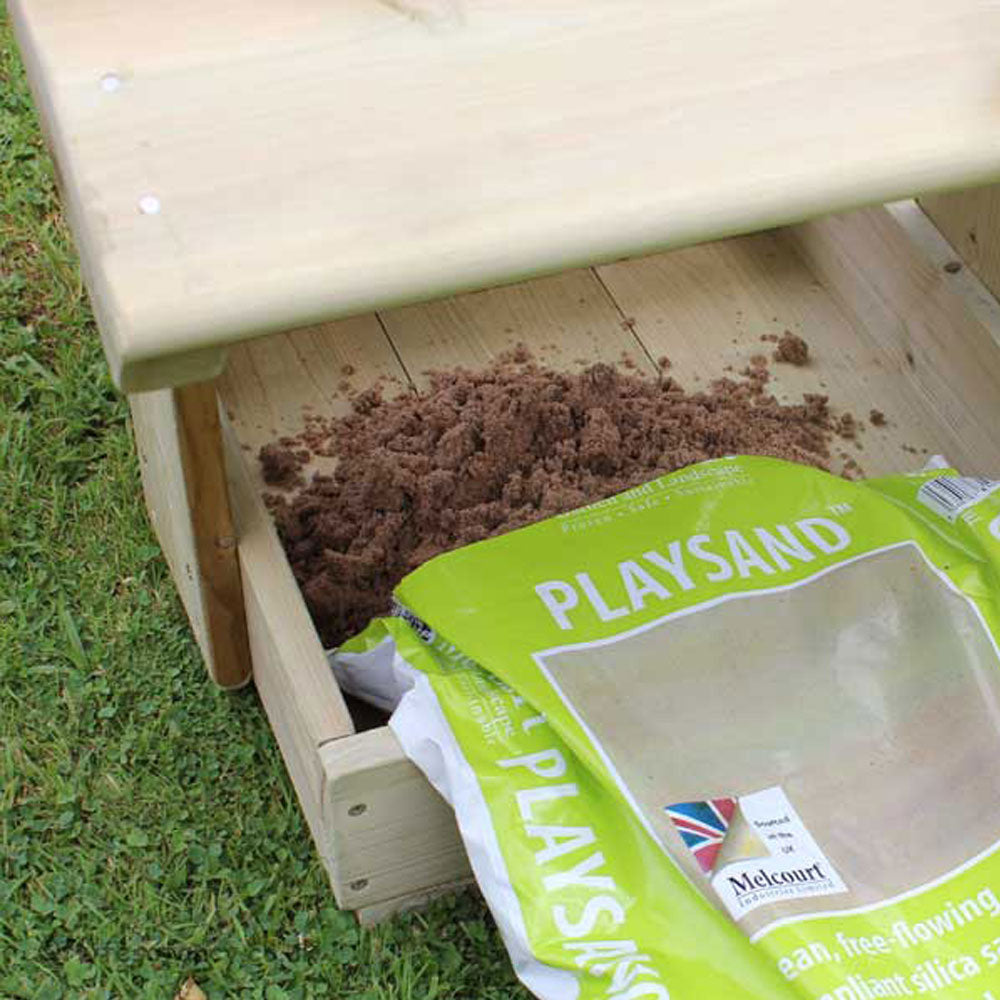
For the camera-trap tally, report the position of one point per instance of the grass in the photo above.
(148, 831)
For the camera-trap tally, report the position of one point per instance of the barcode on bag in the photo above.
(423, 630)
(950, 495)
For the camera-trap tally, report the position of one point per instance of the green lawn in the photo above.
(148, 831)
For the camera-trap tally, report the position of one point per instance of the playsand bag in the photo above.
(732, 734)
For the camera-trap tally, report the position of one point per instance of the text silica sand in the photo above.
(733, 733)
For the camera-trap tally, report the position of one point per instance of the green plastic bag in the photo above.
(734, 733)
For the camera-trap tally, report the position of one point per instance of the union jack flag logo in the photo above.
(703, 827)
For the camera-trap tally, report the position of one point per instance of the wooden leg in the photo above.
(199, 437)
(178, 435)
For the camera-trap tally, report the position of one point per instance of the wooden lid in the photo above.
(233, 168)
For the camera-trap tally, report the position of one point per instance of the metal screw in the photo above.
(953, 266)
(149, 204)
(357, 810)
(358, 884)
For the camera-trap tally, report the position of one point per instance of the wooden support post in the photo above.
(178, 435)
(199, 436)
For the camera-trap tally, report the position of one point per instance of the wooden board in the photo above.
(569, 321)
(154, 425)
(290, 670)
(970, 220)
(234, 169)
(180, 451)
(318, 368)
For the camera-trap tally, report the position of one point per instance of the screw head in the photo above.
(358, 884)
(359, 810)
(149, 204)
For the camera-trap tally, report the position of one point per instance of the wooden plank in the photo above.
(291, 671)
(278, 676)
(279, 618)
(391, 834)
(582, 130)
(154, 424)
(273, 385)
(970, 221)
(707, 308)
(568, 321)
(937, 337)
(177, 436)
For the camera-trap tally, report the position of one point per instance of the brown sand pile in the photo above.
(483, 452)
(792, 350)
